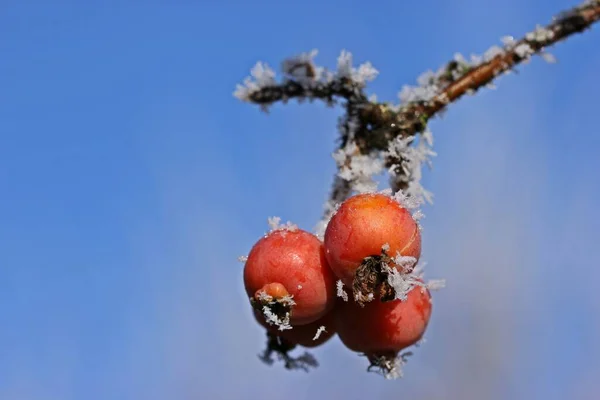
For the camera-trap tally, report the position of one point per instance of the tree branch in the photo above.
(454, 84)
(375, 134)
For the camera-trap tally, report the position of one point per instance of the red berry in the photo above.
(292, 262)
(361, 226)
(384, 328)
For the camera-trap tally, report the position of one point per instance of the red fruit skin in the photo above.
(303, 334)
(361, 226)
(295, 259)
(384, 328)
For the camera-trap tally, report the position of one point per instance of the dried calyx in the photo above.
(389, 364)
(379, 276)
(275, 303)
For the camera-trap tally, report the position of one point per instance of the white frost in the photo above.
(319, 332)
(261, 76)
(276, 225)
(340, 290)
(365, 72)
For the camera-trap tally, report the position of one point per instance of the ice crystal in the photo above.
(319, 332)
(340, 290)
(276, 225)
(261, 76)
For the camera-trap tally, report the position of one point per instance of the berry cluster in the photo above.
(298, 284)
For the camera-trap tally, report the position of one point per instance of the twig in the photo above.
(373, 134)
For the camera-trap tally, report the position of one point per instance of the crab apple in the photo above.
(383, 329)
(289, 266)
(303, 335)
(362, 225)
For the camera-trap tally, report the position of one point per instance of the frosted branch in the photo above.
(376, 135)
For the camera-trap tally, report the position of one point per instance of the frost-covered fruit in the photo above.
(304, 335)
(383, 329)
(362, 225)
(291, 263)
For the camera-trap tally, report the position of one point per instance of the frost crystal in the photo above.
(273, 319)
(264, 297)
(540, 35)
(340, 290)
(242, 258)
(282, 322)
(390, 368)
(276, 225)
(385, 247)
(508, 41)
(358, 169)
(549, 58)
(396, 371)
(492, 52)
(436, 284)
(418, 215)
(405, 262)
(404, 282)
(319, 332)
(523, 50)
(409, 203)
(411, 158)
(365, 72)
(261, 76)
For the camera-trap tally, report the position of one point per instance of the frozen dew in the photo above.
(361, 75)
(540, 35)
(407, 276)
(418, 215)
(389, 368)
(282, 323)
(344, 64)
(492, 53)
(263, 297)
(319, 332)
(411, 159)
(523, 50)
(508, 41)
(276, 225)
(261, 76)
(340, 290)
(358, 169)
(549, 58)
(435, 284)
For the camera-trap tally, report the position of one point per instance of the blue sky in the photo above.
(131, 179)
